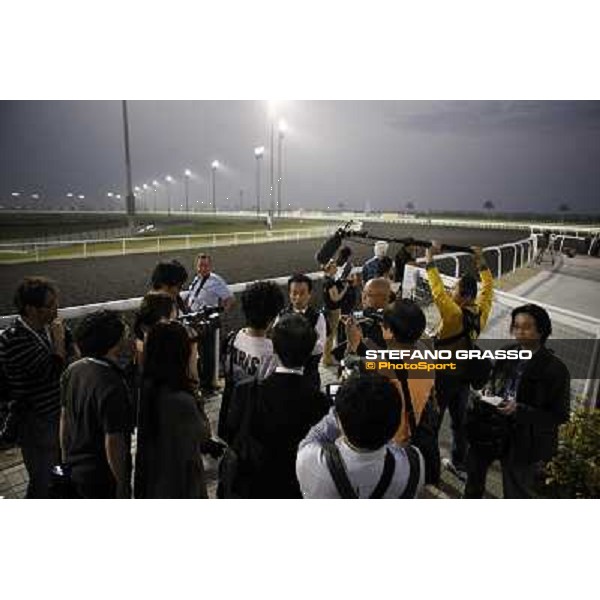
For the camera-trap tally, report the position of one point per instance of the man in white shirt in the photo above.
(208, 290)
(349, 453)
(300, 293)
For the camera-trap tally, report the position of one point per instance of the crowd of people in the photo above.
(74, 400)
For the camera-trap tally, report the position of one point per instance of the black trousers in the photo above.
(453, 394)
(206, 367)
(519, 480)
(96, 489)
(311, 371)
(38, 439)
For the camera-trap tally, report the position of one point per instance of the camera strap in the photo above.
(199, 288)
(335, 464)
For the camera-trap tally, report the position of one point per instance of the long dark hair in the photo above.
(166, 357)
(167, 354)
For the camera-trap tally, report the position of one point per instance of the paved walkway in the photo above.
(573, 284)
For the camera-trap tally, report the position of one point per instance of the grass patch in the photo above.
(195, 232)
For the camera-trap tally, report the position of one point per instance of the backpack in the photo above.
(244, 458)
(338, 472)
(423, 435)
(475, 371)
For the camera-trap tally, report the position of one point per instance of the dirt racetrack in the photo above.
(85, 281)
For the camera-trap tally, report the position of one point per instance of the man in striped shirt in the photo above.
(33, 355)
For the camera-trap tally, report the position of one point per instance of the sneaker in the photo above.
(458, 472)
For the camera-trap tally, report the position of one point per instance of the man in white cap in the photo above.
(371, 267)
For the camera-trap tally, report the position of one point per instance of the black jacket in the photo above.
(287, 407)
(542, 405)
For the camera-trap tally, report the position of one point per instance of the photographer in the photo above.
(208, 290)
(402, 326)
(334, 291)
(350, 452)
(364, 330)
(522, 431)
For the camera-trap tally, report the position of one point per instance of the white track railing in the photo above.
(38, 251)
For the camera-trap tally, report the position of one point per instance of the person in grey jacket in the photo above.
(173, 427)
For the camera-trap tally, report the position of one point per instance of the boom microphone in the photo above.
(330, 247)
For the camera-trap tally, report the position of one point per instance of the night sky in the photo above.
(437, 155)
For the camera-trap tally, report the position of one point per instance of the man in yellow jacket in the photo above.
(463, 314)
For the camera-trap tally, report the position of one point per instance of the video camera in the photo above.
(354, 229)
(202, 321)
(349, 366)
(368, 315)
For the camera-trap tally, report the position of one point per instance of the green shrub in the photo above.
(575, 470)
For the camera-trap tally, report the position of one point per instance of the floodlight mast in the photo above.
(214, 166)
(130, 198)
(258, 153)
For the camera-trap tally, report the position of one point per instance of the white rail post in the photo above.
(123, 246)
(514, 257)
(521, 255)
(499, 262)
(84, 249)
(456, 267)
(214, 239)
(158, 245)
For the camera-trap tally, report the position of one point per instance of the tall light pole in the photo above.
(258, 153)
(271, 156)
(282, 128)
(130, 199)
(214, 166)
(168, 180)
(155, 184)
(187, 175)
(146, 199)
